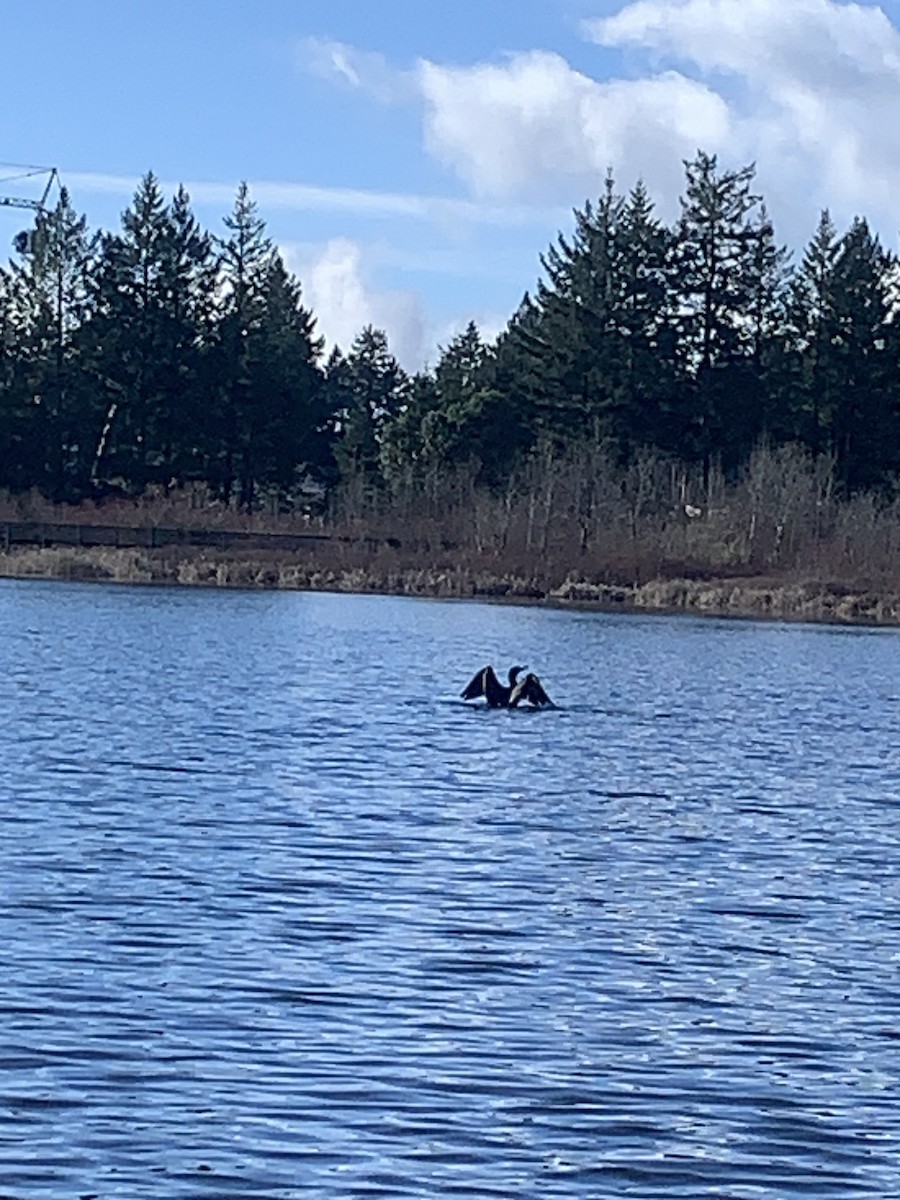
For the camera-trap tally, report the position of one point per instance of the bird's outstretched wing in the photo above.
(475, 687)
(486, 684)
(530, 689)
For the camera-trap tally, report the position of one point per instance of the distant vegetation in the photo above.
(669, 397)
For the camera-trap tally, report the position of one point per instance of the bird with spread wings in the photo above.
(527, 690)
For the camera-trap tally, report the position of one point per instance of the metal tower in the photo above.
(15, 174)
(21, 173)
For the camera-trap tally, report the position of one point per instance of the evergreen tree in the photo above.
(179, 433)
(410, 455)
(574, 356)
(148, 340)
(862, 419)
(157, 355)
(246, 260)
(842, 321)
(285, 440)
(650, 373)
(45, 303)
(761, 407)
(597, 349)
(22, 452)
(368, 388)
(719, 292)
(507, 413)
(125, 339)
(812, 326)
(454, 431)
(271, 417)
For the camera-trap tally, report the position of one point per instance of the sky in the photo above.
(412, 160)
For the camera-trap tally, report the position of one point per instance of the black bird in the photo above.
(528, 689)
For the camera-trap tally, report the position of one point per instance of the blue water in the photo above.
(280, 916)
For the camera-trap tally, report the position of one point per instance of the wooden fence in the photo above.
(43, 533)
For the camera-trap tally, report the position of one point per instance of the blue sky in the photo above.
(413, 160)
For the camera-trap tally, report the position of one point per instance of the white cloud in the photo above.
(339, 290)
(354, 68)
(808, 89)
(533, 126)
(818, 87)
(801, 40)
(339, 286)
(299, 197)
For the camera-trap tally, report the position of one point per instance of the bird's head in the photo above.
(513, 672)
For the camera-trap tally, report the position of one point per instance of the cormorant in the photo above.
(528, 689)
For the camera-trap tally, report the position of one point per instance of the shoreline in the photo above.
(747, 597)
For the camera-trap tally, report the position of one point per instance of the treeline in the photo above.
(163, 356)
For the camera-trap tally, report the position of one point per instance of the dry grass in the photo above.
(803, 601)
(191, 507)
(574, 529)
(766, 597)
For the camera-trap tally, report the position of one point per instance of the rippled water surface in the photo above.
(280, 916)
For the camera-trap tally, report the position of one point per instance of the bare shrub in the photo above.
(576, 519)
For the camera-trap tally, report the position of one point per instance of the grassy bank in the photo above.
(778, 541)
(746, 596)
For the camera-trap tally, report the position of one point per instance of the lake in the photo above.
(280, 916)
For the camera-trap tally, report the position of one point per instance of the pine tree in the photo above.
(575, 354)
(410, 454)
(245, 262)
(368, 388)
(596, 354)
(125, 339)
(719, 291)
(845, 345)
(179, 432)
(649, 375)
(453, 431)
(863, 424)
(285, 442)
(509, 409)
(22, 450)
(812, 326)
(46, 300)
(717, 237)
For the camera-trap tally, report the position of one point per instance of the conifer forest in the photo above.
(161, 357)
